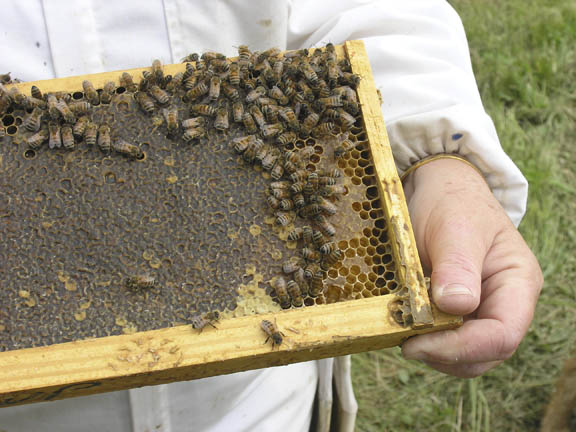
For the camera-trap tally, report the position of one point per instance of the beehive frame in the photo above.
(176, 354)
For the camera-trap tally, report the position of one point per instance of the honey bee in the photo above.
(244, 53)
(327, 207)
(276, 93)
(221, 121)
(257, 116)
(331, 173)
(346, 120)
(90, 93)
(193, 134)
(286, 204)
(197, 91)
(35, 141)
(273, 202)
(53, 111)
(254, 147)
(316, 284)
(193, 122)
(214, 91)
(327, 248)
(286, 138)
(174, 83)
(240, 144)
(331, 259)
(281, 194)
(127, 82)
(107, 92)
(309, 72)
(349, 78)
(317, 237)
(332, 71)
(323, 130)
(270, 113)
(295, 292)
(311, 269)
(291, 265)
(18, 98)
(290, 117)
(324, 226)
(162, 96)
(171, 117)
(307, 234)
(140, 282)
(104, 142)
(65, 111)
(191, 58)
(157, 72)
(199, 322)
(220, 65)
(299, 176)
(277, 172)
(335, 190)
(280, 184)
(55, 140)
(191, 82)
(80, 108)
(311, 254)
(238, 111)
(330, 101)
(80, 126)
(36, 93)
(299, 200)
(279, 286)
(234, 76)
(327, 181)
(203, 109)
(33, 121)
(127, 149)
(297, 53)
(145, 102)
(271, 130)
(270, 160)
(272, 332)
(90, 133)
(249, 123)
(282, 218)
(231, 92)
(67, 137)
(308, 124)
(258, 92)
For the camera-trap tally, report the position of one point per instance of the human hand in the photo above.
(480, 268)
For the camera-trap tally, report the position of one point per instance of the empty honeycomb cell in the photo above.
(372, 192)
(364, 163)
(320, 300)
(364, 215)
(359, 172)
(381, 249)
(364, 241)
(386, 258)
(366, 154)
(361, 251)
(353, 163)
(369, 181)
(366, 206)
(8, 120)
(354, 243)
(311, 167)
(367, 232)
(392, 285)
(77, 95)
(359, 287)
(356, 180)
(351, 279)
(355, 154)
(380, 223)
(315, 158)
(343, 244)
(338, 265)
(348, 289)
(371, 250)
(389, 275)
(311, 142)
(362, 277)
(361, 135)
(376, 204)
(300, 144)
(349, 172)
(308, 301)
(380, 282)
(343, 271)
(366, 293)
(11, 130)
(333, 273)
(379, 270)
(120, 90)
(383, 237)
(18, 121)
(289, 146)
(368, 260)
(29, 154)
(318, 149)
(375, 214)
(371, 283)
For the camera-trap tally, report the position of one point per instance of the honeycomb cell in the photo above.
(386, 258)
(353, 163)
(359, 172)
(350, 253)
(372, 277)
(389, 275)
(369, 170)
(366, 293)
(315, 158)
(364, 163)
(18, 121)
(368, 260)
(77, 95)
(370, 285)
(356, 180)
(308, 301)
(311, 167)
(364, 215)
(333, 273)
(356, 206)
(375, 214)
(366, 206)
(311, 142)
(368, 181)
(361, 135)
(362, 277)
(371, 250)
(342, 244)
(351, 279)
(381, 249)
(349, 172)
(8, 120)
(120, 90)
(320, 300)
(364, 241)
(380, 282)
(318, 149)
(11, 130)
(342, 163)
(367, 232)
(343, 271)
(29, 154)
(361, 251)
(355, 270)
(355, 154)
(300, 144)
(380, 223)
(289, 146)
(376, 204)
(392, 285)
(348, 289)
(372, 192)
(383, 237)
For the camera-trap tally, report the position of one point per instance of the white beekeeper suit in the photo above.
(421, 65)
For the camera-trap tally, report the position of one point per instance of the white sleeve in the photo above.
(421, 65)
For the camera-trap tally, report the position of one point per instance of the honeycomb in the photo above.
(77, 224)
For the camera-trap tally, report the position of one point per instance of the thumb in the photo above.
(456, 248)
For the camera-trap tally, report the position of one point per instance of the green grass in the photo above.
(524, 56)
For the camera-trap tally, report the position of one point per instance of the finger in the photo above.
(464, 370)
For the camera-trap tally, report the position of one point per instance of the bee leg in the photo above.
(266, 341)
(213, 325)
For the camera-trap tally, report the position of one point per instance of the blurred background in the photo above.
(524, 57)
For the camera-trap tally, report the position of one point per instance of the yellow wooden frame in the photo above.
(181, 353)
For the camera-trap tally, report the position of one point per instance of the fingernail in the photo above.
(452, 290)
(415, 355)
